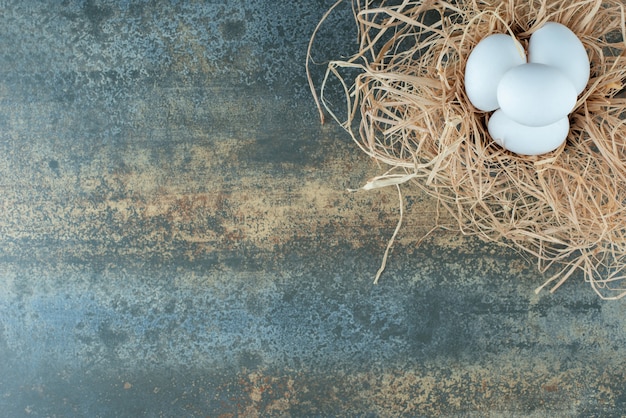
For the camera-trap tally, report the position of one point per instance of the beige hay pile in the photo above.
(407, 108)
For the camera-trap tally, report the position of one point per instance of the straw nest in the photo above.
(406, 107)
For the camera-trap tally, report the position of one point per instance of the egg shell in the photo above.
(526, 140)
(490, 59)
(536, 94)
(556, 45)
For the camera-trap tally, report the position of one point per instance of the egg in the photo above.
(490, 59)
(556, 45)
(526, 140)
(536, 94)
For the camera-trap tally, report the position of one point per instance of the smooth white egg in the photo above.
(536, 94)
(556, 45)
(490, 59)
(526, 140)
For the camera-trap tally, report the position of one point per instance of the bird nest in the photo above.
(406, 107)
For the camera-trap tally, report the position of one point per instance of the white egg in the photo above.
(536, 94)
(556, 45)
(526, 140)
(486, 64)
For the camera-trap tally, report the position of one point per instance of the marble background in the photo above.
(176, 239)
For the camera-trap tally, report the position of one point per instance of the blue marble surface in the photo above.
(176, 239)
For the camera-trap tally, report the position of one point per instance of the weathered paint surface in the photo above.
(176, 239)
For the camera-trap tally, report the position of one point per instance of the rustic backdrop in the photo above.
(176, 239)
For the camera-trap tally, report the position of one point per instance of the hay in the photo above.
(407, 109)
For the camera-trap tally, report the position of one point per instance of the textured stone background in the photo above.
(176, 239)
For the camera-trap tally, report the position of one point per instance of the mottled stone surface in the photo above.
(176, 239)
